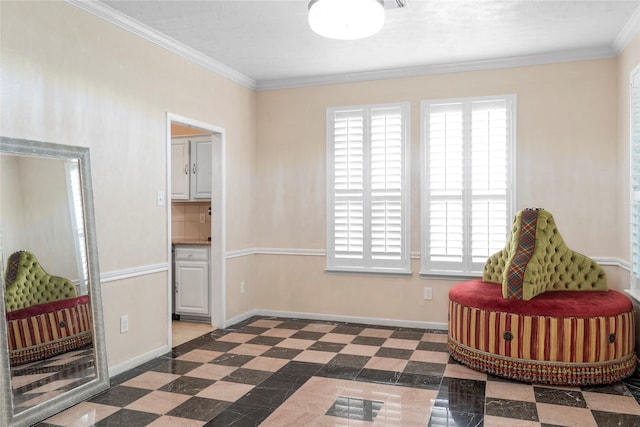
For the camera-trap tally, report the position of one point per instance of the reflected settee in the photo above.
(45, 315)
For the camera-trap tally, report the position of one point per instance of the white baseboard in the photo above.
(138, 360)
(240, 318)
(398, 323)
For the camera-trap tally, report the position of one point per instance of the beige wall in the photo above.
(70, 77)
(567, 163)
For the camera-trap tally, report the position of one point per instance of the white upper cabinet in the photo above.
(201, 168)
(191, 168)
(180, 169)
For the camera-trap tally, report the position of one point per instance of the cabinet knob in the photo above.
(194, 168)
(186, 169)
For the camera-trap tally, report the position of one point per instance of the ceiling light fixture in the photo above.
(346, 19)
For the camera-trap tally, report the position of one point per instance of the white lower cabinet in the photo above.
(192, 280)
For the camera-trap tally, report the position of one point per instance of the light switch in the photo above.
(160, 198)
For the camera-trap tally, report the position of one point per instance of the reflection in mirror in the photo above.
(53, 338)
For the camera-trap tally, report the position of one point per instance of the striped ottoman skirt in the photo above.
(49, 329)
(560, 337)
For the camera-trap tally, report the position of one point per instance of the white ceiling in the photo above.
(269, 43)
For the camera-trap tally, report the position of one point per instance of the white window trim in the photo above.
(425, 271)
(369, 268)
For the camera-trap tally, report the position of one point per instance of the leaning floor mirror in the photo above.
(52, 346)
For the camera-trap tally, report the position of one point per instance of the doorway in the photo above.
(176, 126)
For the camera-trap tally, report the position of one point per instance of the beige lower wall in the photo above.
(291, 283)
(299, 285)
(241, 269)
(617, 277)
(144, 300)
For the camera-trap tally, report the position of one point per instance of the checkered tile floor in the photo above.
(283, 372)
(37, 382)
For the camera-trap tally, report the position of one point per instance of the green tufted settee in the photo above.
(537, 260)
(45, 315)
(542, 313)
(28, 284)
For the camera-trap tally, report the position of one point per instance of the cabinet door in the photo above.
(201, 174)
(180, 169)
(192, 287)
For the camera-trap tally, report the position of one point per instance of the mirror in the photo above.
(52, 348)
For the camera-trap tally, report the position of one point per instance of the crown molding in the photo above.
(459, 67)
(628, 32)
(117, 18)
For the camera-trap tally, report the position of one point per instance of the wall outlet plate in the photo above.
(124, 323)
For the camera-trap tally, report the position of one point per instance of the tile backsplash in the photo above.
(185, 220)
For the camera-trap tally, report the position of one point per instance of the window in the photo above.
(77, 223)
(634, 144)
(368, 189)
(467, 182)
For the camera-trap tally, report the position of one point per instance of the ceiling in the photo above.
(268, 44)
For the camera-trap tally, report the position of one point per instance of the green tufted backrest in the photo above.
(28, 284)
(536, 260)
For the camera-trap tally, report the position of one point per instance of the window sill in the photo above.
(369, 273)
(450, 276)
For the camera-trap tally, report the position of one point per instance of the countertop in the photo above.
(191, 241)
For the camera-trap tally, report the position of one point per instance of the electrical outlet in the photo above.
(124, 323)
(201, 218)
(243, 288)
(428, 293)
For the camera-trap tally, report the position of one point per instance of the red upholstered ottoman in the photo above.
(560, 337)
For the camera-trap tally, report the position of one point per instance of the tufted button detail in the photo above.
(30, 284)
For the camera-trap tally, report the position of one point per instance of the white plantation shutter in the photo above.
(74, 190)
(445, 167)
(466, 203)
(490, 138)
(348, 157)
(368, 189)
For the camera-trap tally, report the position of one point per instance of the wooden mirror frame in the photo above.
(100, 382)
